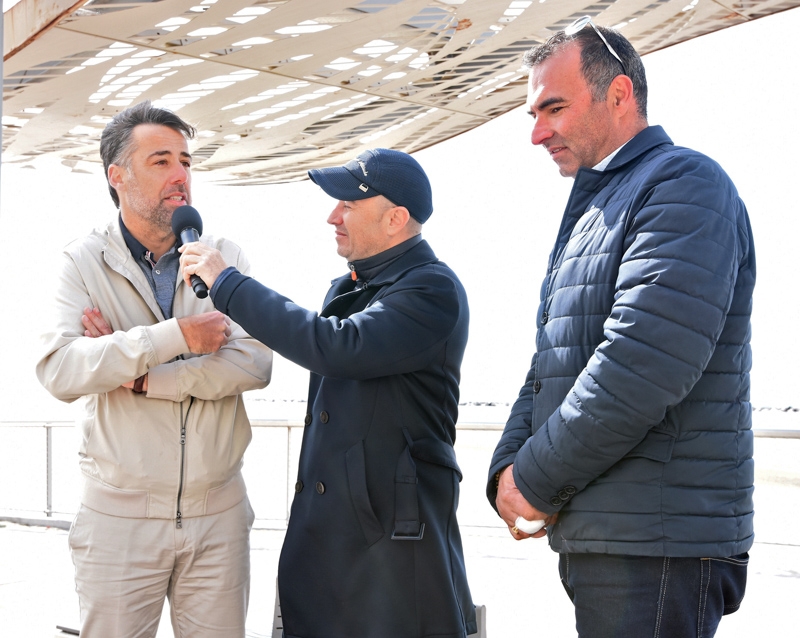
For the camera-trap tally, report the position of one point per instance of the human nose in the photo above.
(540, 132)
(335, 218)
(180, 174)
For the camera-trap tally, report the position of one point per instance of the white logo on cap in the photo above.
(363, 187)
(363, 167)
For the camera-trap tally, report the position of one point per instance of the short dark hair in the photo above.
(115, 143)
(598, 65)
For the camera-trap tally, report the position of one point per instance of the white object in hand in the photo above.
(529, 527)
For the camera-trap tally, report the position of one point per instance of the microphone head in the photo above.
(186, 217)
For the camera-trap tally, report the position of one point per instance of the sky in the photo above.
(497, 207)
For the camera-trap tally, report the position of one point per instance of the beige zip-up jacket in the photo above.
(176, 451)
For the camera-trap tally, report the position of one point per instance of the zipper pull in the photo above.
(178, 521)
(353, 274)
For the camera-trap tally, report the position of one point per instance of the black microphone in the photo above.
(187, 225)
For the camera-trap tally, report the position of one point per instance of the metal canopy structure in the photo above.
(276, 87)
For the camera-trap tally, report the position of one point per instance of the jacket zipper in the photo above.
(179, 516)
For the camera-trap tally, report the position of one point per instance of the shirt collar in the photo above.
(138, 250)
(133, 244)
(603, 164)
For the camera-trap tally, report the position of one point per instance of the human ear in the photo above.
(620, 93)
(398, 219)
(116, 176)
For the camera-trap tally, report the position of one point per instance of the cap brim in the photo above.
(341, 184)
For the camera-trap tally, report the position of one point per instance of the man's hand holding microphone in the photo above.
(200, 264)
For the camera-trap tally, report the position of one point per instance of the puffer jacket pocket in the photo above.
(656, 446)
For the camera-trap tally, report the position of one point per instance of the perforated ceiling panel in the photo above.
(276, 87)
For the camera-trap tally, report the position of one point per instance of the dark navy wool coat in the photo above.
(373, 548)
(634, 420)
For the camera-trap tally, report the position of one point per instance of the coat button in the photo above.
(298, 487)
(555, 501)
(308, 419)
(545, 317)
(320, 487)
(537, 385)
(323, 416)
(569, 489)
(564, 495)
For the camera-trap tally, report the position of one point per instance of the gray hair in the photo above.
(598, 65)
(116, 146)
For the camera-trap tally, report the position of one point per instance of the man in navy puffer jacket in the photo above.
(631, 437)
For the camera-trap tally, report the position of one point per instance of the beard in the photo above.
(157, 213)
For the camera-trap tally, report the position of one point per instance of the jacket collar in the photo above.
(116, 249)
(344, 288)
(640, 144)
(589, 181)
(368, 269)
(419, 254)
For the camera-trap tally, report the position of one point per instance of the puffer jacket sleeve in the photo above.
(675, 284)
(515, 434)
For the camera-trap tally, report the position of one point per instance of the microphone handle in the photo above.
(199, 287)
(188, 235)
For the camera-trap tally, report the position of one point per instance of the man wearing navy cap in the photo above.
(373, 546)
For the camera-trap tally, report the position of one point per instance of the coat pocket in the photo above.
(359, 495)
(435, 451)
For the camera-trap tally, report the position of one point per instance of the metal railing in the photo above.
(47, 466)
(37, 467)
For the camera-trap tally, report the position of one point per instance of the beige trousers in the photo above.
(124, 567)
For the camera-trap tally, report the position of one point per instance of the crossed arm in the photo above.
(205, 333)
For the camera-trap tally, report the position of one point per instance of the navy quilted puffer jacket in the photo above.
(634, 421)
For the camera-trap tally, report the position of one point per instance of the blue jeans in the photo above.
(651, 597)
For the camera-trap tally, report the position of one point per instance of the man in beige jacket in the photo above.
(164, 510)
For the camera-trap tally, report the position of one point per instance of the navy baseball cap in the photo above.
(380, 171)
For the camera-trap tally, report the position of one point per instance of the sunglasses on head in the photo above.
(580, 23)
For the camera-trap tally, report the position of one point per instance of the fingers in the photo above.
(227, 330)
(513, 508)
(188, 264)
(540, 534)
(205, 333)
(201, 260)
(190, 257)
(94, 323)
(517, 533)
